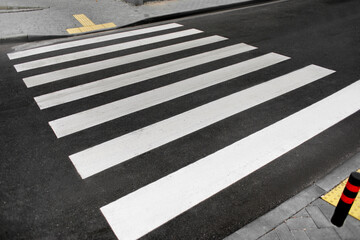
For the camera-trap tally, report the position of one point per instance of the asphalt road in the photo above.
(44, 197)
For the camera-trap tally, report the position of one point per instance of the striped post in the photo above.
(347, 199)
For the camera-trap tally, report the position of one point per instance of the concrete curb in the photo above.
(172, 16)
(278, 215)
(167, 17)
(30, 38)
(137, 2)
(19, 10)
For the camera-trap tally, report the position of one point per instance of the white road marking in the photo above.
(142, 211)
(114, 62)
(82, 91)
(103, 85)
(60, 46)
(95, 116)
(102, 50)
(125, 147)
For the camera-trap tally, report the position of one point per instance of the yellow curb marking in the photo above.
(84, 20)
(88, 25)
(334, 195)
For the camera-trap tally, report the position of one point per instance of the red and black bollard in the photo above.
(347, 199)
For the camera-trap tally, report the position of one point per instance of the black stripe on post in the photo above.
(349, 194)
(346, 200)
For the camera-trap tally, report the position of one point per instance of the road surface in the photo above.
(186, 129)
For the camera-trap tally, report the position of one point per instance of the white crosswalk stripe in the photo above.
(135, 143)
(102, 50)
(140, 212)
(115, 62)
(111, 83)
(72, 44)
(85, 90)
(101, 114)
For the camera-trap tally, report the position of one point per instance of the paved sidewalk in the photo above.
(21, 19)
(305, 216)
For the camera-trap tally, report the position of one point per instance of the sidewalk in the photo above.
(305, 216)
(24, 19)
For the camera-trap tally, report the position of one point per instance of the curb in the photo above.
(167, 17)
(172, 16)
(10, 9)
(30, 38)
(269, 221)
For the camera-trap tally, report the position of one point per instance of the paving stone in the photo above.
(300, 223)
(326, 209)
(305, 211)
(300, 235)
(339, 174)
(346, 233)
(318, 202)
(302, 213)
(353, 224)
(233, 236)
(284, 232)
(322, 234)
(350, 223)
(270, 236)
(318, 217)
(277, 216)
(254, 230)
(304, 198)
(270, 220)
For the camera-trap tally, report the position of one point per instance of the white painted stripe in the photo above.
(81, 91)
(113, 62)
(86, 90)
(95, 116)
(142, 211)
(60, 46)
(102, 50)
(138, 142)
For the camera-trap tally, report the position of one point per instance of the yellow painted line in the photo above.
(73, 30)
(88, 25)
(334, 195)
(84, 20)
(109, 25)
(97, 27)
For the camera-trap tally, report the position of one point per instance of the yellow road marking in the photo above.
(88, 25)
(334, 195)
(109, 25)
(84, 20)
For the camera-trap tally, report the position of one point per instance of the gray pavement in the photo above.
(305, 216)
(20, 19)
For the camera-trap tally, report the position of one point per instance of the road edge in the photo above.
(274, 218)
(166, 17)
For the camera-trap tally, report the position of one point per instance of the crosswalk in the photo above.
(129, 78)
(140, 212)
(102, 50)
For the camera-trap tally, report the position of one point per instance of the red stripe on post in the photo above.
(352, 188)
(347, 200)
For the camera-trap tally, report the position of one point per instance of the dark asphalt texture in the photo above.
(43, 197)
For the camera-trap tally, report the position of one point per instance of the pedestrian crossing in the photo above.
(174, 194)
(88, 41)
(44, 78)
(101, 50)
(111, 83)
(91, 117)
(123, 148)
